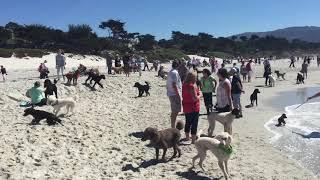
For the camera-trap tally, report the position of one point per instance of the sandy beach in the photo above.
(101, 140)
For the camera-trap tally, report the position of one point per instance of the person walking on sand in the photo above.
(243, 71)
(249, 70)
(145, 62)
(292, 60)
(3, 73)
(224, 99)
(267, 72)
(60, 64)
(304, 69)
(236, 91)
(318, 61)
(191, 105)
(174, 92)
(208, 86)
(109, 62)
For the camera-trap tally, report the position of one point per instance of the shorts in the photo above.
(236, 100)
(175, 102)
(227, 108)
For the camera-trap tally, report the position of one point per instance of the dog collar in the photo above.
(228, 150)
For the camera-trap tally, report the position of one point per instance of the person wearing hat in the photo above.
(36, 94)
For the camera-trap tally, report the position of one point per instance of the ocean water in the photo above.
(300, 138)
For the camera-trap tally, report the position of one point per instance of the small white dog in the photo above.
(226, 119)
(220, 146)
(272, 80)
(57, 104)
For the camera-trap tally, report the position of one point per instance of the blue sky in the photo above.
(160, 17)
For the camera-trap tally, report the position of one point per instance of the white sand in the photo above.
(97, 141)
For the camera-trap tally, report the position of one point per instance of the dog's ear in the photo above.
(228, 140)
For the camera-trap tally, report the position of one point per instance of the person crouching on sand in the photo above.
(37, 95)
(191, 105)
(3, 73)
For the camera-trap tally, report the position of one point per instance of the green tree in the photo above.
(114, 27)
(146, 42)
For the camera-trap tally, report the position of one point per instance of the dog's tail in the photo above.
(55, 81)
(179, 125)
(147, 83)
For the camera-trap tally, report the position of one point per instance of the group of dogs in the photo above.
(220, 145)
(272, 79)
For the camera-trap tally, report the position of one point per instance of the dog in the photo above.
(300, 78)
(280, 75)
(91, 73)
(142, 88)
(164, 139)
(57, 104)
(272, 81)
(39, 115)
(281, 120)
(226, 119)
(96, 77)
(51, 88)
(73, 76)
(220, 146)
(117, 70)
(254, 97)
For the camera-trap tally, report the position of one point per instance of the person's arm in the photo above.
(215, 84)
(228, 92)
(314, 96)
(175, 88)
(55, 92)
(174, 84)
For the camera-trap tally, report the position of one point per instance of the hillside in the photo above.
(305, 33)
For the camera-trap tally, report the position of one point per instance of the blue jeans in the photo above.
(60, 69)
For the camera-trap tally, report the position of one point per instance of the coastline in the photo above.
(101, 138)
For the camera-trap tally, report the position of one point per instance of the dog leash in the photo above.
(301, 104)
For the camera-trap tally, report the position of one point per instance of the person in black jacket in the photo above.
(236, 91)
(3, 73)
(267, 72)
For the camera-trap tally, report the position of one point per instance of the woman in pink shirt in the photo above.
(191, 105)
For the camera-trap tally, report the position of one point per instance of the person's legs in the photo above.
(266, 82)
(175, 109)
(62, 74)
(187, 126)
(194, 126)
(58, 73)
(3, 78)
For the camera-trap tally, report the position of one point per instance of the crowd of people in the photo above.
(185, 93)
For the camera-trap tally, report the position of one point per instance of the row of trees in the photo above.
(82, 39)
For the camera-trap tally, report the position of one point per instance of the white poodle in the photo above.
(57, 104)
(220, 146)
(225, 119)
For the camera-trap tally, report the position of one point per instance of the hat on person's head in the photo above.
(37, 84)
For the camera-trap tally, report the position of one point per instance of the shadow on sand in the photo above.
(191, 174)
(309, 136)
